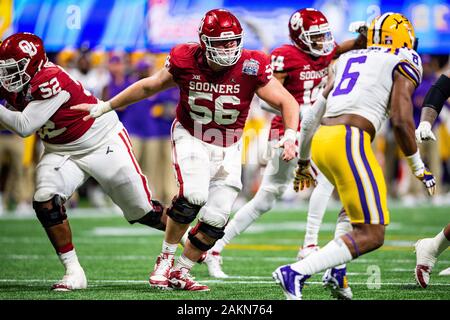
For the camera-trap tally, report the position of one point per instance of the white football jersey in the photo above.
(364, 80)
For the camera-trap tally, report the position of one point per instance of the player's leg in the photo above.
(362, 190)
(225, 168)
(318, 202)
(57, 177)
(212, 220)
(191, 161)
(117, 170)
(277, 177)
(427, 252)
(335, 279)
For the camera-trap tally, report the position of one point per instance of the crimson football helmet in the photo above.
(310, 31)
(22, 55)
(221, 37)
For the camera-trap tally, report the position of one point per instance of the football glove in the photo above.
(100, 108)
(305, 175)
(427, 178)
(424, 133)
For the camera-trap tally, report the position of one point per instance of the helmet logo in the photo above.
(28, 47)
(296, 21)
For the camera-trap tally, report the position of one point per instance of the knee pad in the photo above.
(212, 232)
(52, 216)
(182, 211)
(153, 218)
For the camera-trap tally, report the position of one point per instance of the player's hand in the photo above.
(95, 110)
(424, 133)
(427, 178)
(358, 26)
(305, 176)
(287, 142)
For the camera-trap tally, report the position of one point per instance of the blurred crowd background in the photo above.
(107, 45)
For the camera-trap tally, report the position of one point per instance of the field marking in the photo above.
(268, 281)
(225, 257)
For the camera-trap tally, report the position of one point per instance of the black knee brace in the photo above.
(50, 216)
(210, 231)
(182, 211)
(153, 218)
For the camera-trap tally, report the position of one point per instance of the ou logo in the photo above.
(28, 47)
(296, 21)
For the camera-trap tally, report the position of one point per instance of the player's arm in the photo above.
(277, 96)
(281, 76)
(359, 42)
(403, 127)
(311, 117)
(34, 116)
(432, 106)
(138, 91)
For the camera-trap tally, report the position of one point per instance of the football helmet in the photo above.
(220, 36)
(22, 55)
(392, 30)
(310, 31)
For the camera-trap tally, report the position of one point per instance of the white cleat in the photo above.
(74, 279)
(425, 261)
(336, 281)
(214, 262)
(445, 272)
(303, 252)
(159, 278)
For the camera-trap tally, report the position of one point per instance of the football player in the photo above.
(369, 85)
(428, 249)
(302, 68)
(217, 80)
(39, 95)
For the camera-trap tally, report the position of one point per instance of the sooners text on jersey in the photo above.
(306, 77)
(65, 125)
(214, 106)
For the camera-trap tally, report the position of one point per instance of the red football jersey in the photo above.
(306, 76)
(214, 106)
(65, 125)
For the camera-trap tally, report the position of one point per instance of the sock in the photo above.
(343, 226)
(441, 243)
(169, 248)
(184, 263)
(185, 237)
(317, 207)
(69, 259)
(333, 254)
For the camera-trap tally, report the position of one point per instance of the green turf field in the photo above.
(117, 258)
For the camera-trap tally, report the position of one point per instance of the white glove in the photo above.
(358, 26)
(424, 133)
(100, 108)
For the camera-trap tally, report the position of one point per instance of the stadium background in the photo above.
(123, 39)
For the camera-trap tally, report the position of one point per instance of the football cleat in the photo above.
(182, 280)
(214, 262)
(303, 252)
(291, 282)
(336, 281)
(425, 261)
(445, 272)
(159, 278)
(74, 279)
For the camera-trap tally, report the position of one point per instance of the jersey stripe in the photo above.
(407, 70)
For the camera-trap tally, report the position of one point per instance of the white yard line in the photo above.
(250, 281)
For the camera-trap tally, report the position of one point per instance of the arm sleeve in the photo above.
(311, 116)
(438, 94)
(35, 115)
